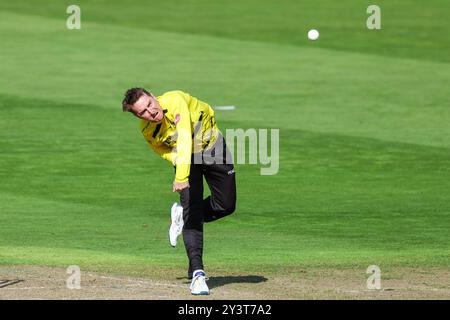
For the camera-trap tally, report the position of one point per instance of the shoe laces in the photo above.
(179, 220)
(198, 277)
(178, 227)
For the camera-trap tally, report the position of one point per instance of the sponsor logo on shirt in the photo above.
(230, 172)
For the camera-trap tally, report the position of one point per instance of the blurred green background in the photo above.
(363, 116)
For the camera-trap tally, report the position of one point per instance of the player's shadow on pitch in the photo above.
(215, 282)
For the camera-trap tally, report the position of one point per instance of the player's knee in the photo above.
(229, 208)
(224, 207)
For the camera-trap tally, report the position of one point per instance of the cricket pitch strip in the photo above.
(40, 282)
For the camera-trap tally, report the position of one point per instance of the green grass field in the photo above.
(364, 119)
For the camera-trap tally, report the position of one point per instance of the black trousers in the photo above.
(218, 170)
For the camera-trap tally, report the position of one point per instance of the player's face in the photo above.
(148, 108)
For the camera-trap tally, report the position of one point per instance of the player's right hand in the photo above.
(178, 186)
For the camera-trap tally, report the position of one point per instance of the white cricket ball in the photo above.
(313, 34)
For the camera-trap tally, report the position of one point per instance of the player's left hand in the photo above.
(178, 186)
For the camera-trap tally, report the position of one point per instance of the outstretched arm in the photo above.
(184, 145)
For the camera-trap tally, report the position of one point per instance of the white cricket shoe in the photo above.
(176, 225)
(198, 284)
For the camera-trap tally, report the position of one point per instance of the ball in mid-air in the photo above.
(313, 34)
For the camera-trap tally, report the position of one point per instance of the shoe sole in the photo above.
(176, 242)
(202, 293)
(170, 220)
(170, 226)
(168, 235)
(173, 246)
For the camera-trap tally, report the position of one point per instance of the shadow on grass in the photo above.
(215, 282)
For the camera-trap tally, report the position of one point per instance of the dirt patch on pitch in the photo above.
(32, 282)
